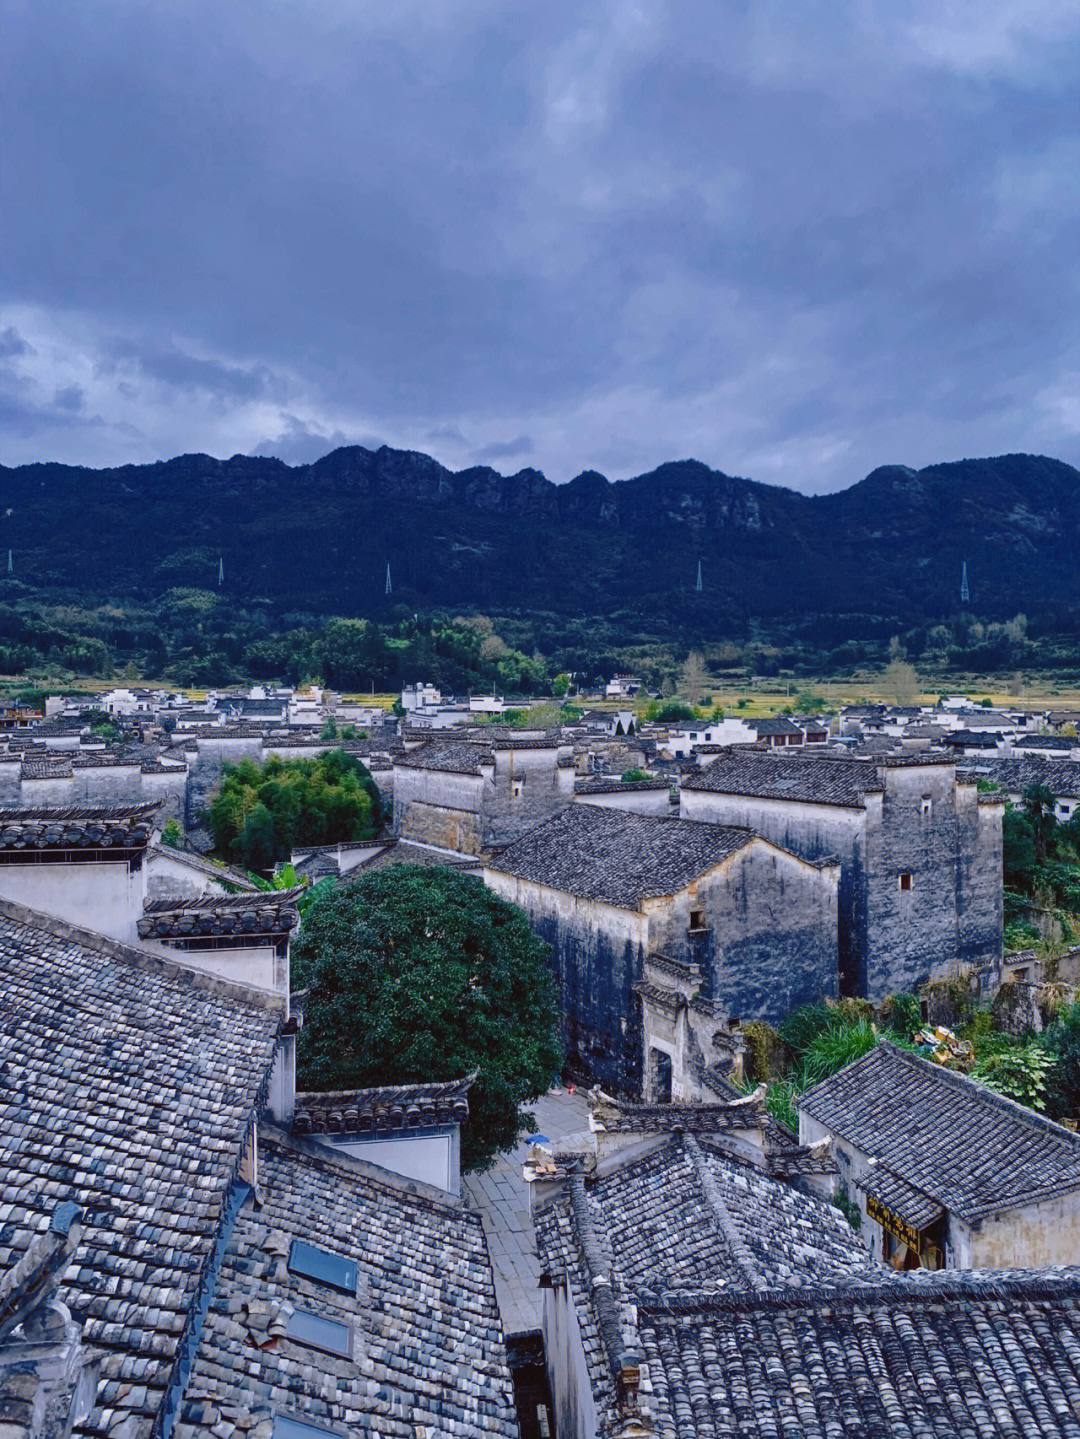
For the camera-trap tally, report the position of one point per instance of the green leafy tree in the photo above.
(635, 776)
(1062, 1040)
(560, 685)
(671, 711)
(419, 975)
(262, 813)
(1039, 810)
(171, 834)
(255, 841)
(1018, 850)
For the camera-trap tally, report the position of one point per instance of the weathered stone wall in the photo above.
(170, 787)
(768, 941)
(439, 808)
(929, 828)
(205, 767)
(527, 788)
(813, 831)
(10, 787)
(596, 955)
(926, 826)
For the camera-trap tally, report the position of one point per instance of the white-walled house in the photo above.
(947, 1174)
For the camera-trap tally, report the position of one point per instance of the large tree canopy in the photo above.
(262, 813)
(419, 975)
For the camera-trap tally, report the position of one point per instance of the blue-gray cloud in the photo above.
(792, 240)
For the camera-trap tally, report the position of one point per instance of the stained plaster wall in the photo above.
(813, 831)
(567, 1367)
(934, 829)
(890, 938)
(632, 801)
(260, 967)
(104, 896)
(467, 813)
(168, 876)
(1028, 1236)
(1033, 1237)
(596, 956)
(439, 808)
(768, 941)
(528, 787)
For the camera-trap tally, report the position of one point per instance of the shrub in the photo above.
(1023, 1074)
(836, 1047)
(763, 1050)
(903, 1012)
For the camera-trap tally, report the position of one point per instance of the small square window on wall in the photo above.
(905, 879)
(697, 919)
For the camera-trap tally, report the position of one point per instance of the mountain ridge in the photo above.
(318, 537)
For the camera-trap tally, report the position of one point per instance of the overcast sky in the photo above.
(792, 239)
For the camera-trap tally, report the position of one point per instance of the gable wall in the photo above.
(596, 956)
(770, 940)
(812, 831)
(439, 808)
(527, 788)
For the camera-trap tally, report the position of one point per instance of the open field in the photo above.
(760, 696)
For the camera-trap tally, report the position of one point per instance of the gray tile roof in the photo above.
(618, 858)
(775, 724)
(817, 779)
(252, 913)
(942, 1357)
(429, 1357)
(902, 1198)
(965, 1147)
(66, 829)
(57, 766)
(450, 756)
(128, 1088)
(748, 1310)
(394, 1106)
(612, 784)
(1062, 776)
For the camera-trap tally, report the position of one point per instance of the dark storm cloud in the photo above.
(794, 240)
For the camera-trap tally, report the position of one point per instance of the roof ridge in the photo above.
(898, 1289)
(164, 904)
(740, 1250)
(982, 1093)
(610, 1322)
(435, 1086)
(130, 811)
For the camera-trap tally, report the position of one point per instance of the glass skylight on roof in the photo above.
(285, 1427)
(327, 1334)
(322, 1266)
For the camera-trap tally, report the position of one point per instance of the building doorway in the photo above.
(660, 1076)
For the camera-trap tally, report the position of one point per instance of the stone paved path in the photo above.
(502, 1198)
